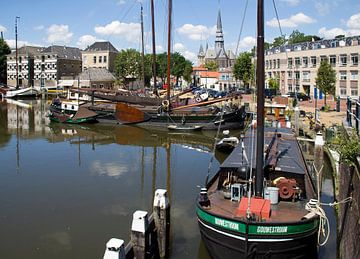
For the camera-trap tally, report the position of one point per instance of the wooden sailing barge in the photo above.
(258, 206)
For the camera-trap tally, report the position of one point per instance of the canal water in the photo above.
(65, 190)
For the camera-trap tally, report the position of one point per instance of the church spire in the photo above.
(219, 41)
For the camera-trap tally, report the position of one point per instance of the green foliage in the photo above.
(274, 83)
(347, 146)
(340, 36)
(278, 41)
(211, 65)
(326, 78)
(4, 50)
(128, 66)
(244, 69)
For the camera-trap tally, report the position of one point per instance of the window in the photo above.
(94, 59)
(267, 64)
(354, 59)
(42, 58)
(343, 91)
(354, 75)
(278, 63)
(354, 92)
(323, 58)
(290, 62)
(343, 60)
(297, 75)
(305, 61)
(313, 61)
(100, 59)
(342, 75)
(290, 89)
(270, 64)
(333, 60)
(105, 59)
(306, 76)
(289, 74)
(297, 62)
(43, 67)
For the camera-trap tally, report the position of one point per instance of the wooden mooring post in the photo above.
(150, 234)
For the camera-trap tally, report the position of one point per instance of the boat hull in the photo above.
(221, 242)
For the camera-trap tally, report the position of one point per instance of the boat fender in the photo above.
(308, 216)
(165, 105)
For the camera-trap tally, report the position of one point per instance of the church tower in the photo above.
(201, 56)
(219, 41)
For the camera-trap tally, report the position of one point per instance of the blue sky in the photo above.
(80, 23)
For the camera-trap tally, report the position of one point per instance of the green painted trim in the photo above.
(260, 229)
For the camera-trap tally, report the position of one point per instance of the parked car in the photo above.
(299, 96)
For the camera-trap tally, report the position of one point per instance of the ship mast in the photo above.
(169, 50)
(142, 46)
(153, 44)
(260, 80)
(16, 53)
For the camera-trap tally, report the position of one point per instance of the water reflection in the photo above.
(75, 186)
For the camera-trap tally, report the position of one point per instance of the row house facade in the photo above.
(99, 55)
(296, 65)
(26, 56)
(43, 67)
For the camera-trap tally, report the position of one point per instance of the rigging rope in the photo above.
(215, 142)
(241, 28)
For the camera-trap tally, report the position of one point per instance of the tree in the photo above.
(4, 50)
(340, 36)
(274, 83)
(211, 65)
(188, 71)
(161, 66)
(243, 68)
(278, 41)
(326, 78)
(128, 66)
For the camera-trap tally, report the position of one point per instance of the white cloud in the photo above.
(121, 2)
(159, 49)
(196, 32)
(353, 28)
(322, 8)
(2, 28)
(247, 43)
(291, 2)
(331, 33)
(179, 47)
(39, 28)
(354, 22)
(86, 40)
(292, 22)
(59, 34)
(129, 31)
(109, 169)
(21, 43)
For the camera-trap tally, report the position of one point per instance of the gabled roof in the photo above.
(102, 46)
(96, 74)
(28, 50)
(209, 74)
(64, 52)
(210, 53)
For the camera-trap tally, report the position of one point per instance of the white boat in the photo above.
(23, 92)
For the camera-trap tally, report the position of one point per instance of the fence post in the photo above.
(357, 115)
(139, 234)
(161, 212)
(115, 249)
(348, 111)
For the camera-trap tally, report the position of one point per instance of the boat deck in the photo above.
(283, 212)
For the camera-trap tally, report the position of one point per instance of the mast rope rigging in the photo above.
(214, 147)
(241, 28)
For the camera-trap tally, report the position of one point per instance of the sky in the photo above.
(81, 23)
